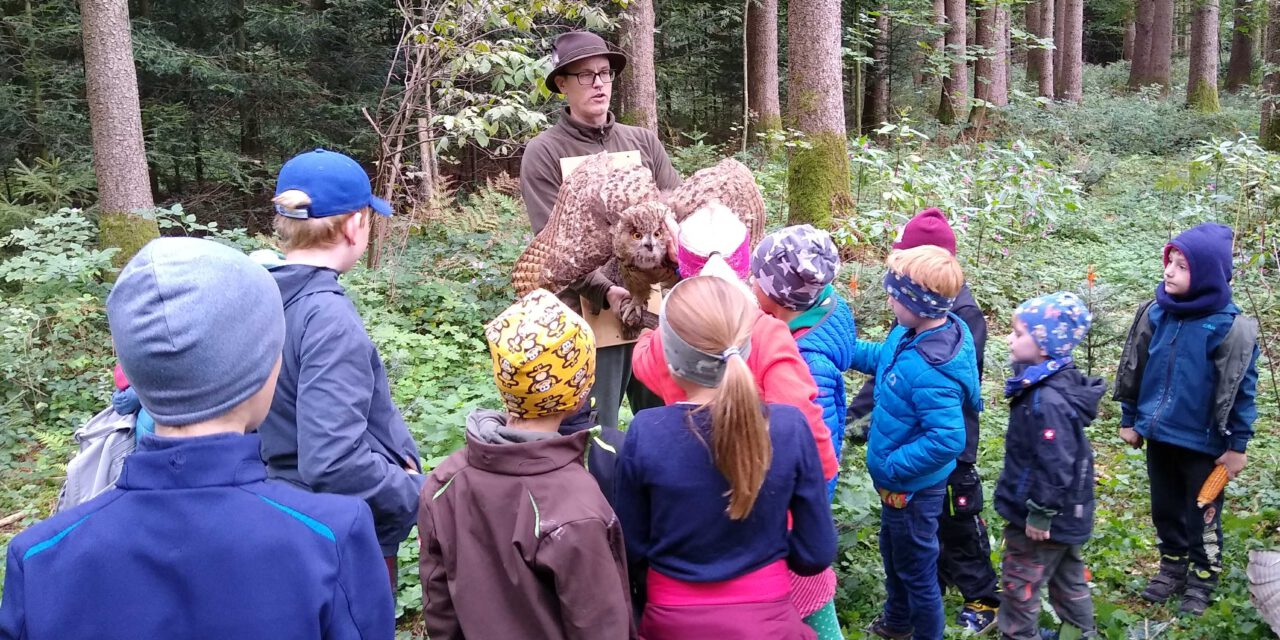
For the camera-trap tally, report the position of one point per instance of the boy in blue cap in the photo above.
(333, 427)
(194, 542)
(1046, 487)
(1186, 383)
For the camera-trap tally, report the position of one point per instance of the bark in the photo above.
(250, 126)
(876, 109)
(1126, 50)
(1240, 66)
(762, 62)
(115, 120)
(1269, 135)
(1032, 27)
(954, 103)
(1202, 77)
(1071, 73)
(990, 84)
(1140, 68)
(1047, 72)
(1161, 45)
(817, 177)
(639, 85)
(1059, 36)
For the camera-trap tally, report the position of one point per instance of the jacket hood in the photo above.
(495, 447)
(297, 280)
(1082, 392)
(1207, 248)
(947, 350)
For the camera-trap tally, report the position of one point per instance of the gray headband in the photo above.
(690, 363)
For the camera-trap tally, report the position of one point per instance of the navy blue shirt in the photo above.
(195, 543)
(671, 500)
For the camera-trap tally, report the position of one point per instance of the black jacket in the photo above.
(967, 308)
(1048, 461)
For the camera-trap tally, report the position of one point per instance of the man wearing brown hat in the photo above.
(583, 71)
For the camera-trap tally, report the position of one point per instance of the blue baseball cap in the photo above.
(335, 183)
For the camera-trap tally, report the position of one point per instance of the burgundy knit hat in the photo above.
(929, 227)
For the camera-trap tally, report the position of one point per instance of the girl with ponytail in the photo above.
(704, 486)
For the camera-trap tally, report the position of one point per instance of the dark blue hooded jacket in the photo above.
(333, 426)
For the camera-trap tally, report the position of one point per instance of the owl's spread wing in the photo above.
(730, 182)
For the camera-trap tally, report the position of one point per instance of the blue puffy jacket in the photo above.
(923, 383)
(827, 349)
(1179, 382)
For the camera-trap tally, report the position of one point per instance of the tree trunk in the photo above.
(1032, 27)
(1161, 45)
(876, 108)
(762, 61)
(953, 107)
(1047, 72)
(1269, 135)
(1006, 38)
(1059, 36)
(990, 84)
(1126, 50)
(115, 120)
(940, 43)
(1240, 66)
(817, 177)
(639, 89)
(1071, 75)
(1143, 20)
(1202, 76)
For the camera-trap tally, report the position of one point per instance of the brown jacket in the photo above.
(518, 541)
(540, 175)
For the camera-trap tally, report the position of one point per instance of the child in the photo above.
(964, 552)
(333, 427)
(1046, 487)
(926, 374)
(1187, 382)
(704, 486)
(194, 542)
(792, 270)
(517, 540)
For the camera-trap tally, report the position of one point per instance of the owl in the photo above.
(615, 218)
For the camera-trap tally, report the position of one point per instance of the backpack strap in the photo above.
(1231, 360)
(1133, 359)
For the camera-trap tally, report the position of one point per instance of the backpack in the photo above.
(105, 441)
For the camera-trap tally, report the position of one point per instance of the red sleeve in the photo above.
(784, 379)
(649, 366)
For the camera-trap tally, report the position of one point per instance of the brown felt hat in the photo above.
(577, 45)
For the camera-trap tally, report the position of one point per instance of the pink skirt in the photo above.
(756, 605)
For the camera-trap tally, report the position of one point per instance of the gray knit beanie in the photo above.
(197, 328)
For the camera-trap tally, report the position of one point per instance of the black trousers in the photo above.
(1185, 531)
(964, 559)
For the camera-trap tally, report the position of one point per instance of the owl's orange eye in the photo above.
(637, 235)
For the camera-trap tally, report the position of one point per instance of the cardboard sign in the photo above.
(605, 325)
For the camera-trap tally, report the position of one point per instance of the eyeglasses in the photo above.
(588, 78)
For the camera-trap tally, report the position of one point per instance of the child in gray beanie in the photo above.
(193, 523)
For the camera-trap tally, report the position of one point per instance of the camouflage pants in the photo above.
(1028, 566)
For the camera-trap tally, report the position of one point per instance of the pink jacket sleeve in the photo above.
(649, 365)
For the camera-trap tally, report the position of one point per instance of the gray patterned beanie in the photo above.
(794, 264)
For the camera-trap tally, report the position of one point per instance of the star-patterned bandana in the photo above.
(794, 264)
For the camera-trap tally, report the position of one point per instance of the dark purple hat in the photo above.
(577, 45)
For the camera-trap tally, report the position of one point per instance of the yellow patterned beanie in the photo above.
(544, 356)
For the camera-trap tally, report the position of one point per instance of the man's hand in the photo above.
(1234, 461)
(617, 297)
(1131, 437)
(1039, 535)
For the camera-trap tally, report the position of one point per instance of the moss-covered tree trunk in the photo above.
(1240, 66)
(1270, 131)
(1070, 84)
(762, 65)
(1140, 65)
(119, 158)
(817, 176)
(1202, 77)
(639, 87)
(954, 103)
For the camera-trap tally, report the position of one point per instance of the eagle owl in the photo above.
(616, 219)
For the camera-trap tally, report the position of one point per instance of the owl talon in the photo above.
(631, 313)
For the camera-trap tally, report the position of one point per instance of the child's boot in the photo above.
(1170, 580)
(1199, 592)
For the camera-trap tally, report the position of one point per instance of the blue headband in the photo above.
(916, 298)
(690, 363)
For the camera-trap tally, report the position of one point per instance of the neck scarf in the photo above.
(1035, 374)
